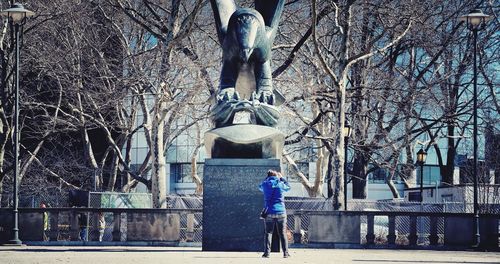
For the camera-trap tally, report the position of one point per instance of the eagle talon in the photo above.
(227, 94)
(264, 97)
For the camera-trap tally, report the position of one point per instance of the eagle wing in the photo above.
(271, 12)
(223, 9)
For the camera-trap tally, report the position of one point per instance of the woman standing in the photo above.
(273, 188)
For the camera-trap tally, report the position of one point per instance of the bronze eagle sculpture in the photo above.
(246, 36)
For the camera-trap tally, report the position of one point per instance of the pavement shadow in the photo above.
(421, 261)
(106, 250)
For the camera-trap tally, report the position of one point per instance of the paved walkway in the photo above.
(176, 255)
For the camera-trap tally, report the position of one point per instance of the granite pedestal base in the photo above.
(232, 203)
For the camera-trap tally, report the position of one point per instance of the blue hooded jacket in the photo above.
(273, 189)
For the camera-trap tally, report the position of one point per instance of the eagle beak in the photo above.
(245, 54)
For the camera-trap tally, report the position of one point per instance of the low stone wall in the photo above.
(30, 226)
(145, 225)
(459, 231)
(153, 227)
(339, 229)
(336, 228)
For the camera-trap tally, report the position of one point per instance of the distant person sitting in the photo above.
(102, 225)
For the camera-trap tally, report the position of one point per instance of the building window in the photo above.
(181, 172)
(432, 174)
(380, 175)
(414, 197)
(377, 176)
(447, 198)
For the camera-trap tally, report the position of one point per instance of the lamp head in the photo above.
(475, 18)
(421, 156)
(347, 128)
(17, 13)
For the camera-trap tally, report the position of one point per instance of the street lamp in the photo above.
(475, 21)
(421, 157)
(17, 15)
(347, 134)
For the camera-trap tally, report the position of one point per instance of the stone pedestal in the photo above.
(232, 203)
(244, 141)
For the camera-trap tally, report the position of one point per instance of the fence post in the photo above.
(54, 225)
(391, 237)
(116, 226)
(433, 236)
(413, 231)
(190, 227)
(370, 235)
(297, 234)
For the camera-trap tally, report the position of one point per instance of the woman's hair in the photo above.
(272, 173)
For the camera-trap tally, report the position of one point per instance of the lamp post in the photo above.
(17, 15)
(475, 21)
(347, 134)
(421, 157)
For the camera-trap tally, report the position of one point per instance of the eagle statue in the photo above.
(246, 36)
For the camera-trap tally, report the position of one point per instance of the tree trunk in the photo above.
(194, 174)
(312, 190)
(89, 153)
(194, 160)
(126, 178)
(394, 190)
(339, 156)
(158, 176)
(4, 133)
(1, 192)
(113, 174)
(392, 172)
(447, 170)
(359, 172)
(410, 175)
(329, 175)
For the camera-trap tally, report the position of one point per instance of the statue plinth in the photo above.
(244, 141)
(232, 202)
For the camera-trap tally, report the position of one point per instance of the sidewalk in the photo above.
(183, 255)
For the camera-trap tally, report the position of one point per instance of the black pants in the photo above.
(280, 223)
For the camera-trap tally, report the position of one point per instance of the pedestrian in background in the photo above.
(45, 222)
(82, 222)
